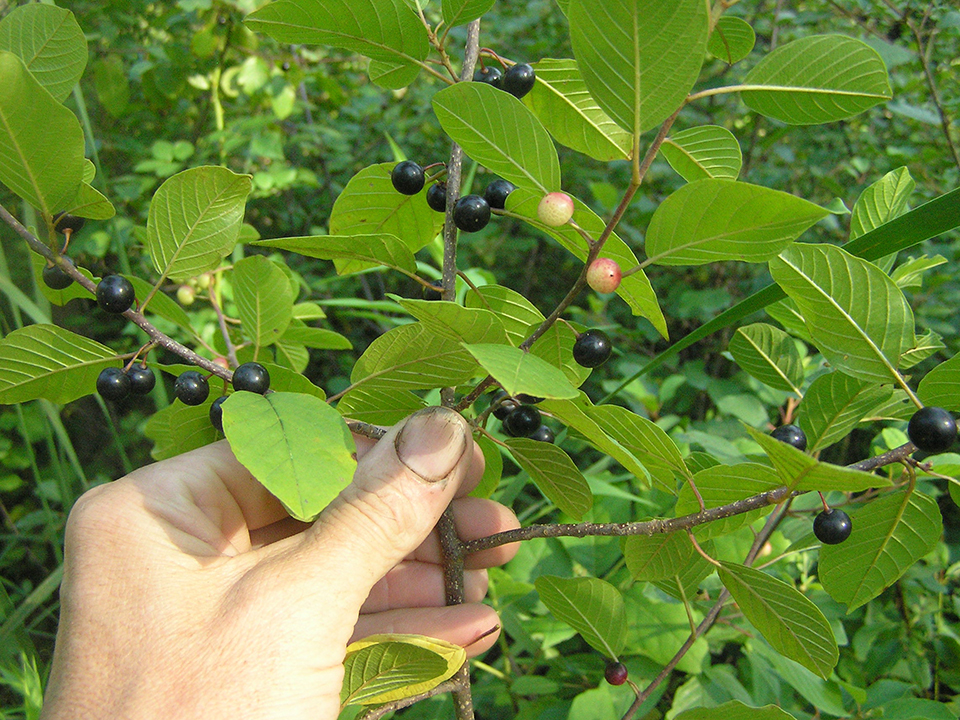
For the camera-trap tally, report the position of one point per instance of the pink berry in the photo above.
(603, 275)
(555, 209)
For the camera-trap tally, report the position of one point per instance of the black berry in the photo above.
(191, 388)
(489, 75)
(63, 222)
(437, 197)
(471, 213)
(407, 177)
(216, 413)
(285, 66)
(592, 348)
(142, 380)
(252, 377)
(529, 399)
(932, 429)
(55, 278)
(519, 80)
(506, 405)
(791, 435)
(615, 673)
(496, 193)
(431, 293)
(522, 422)
(832, 526)
(115, 294)
(113, 384)
(543, 434)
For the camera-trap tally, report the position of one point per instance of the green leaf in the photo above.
(881, 202)
(455, 321)
(160, 305)
(45, 361)
(834, 404)
(941, 386)
(721, 485)
(264, 299)
(732, 40)
(889, 535)
(658, 629)
(736, 710)
(640, 436)
(461, 12)
(180, 428)
(378, 405)
(370, 206)
(687, 578)
(639, 58)
(657, 557)
(709, 151)
(516, 313)
(194, 221)
(492, 467)
(90, 203)
(561, 101)
(282, 439)
(769, 355)
(41, 142)
(859, 318)
(285, 380)
(791, 623)
(500, 133)
(520, 372)
(554, 473)
(928, 344)
(556, 347)
(910, 273)
(716, 219)
(817, 79)
(364, 250)
(59, 297)
(388, 31)
(51, 44)
(592, 607)
(388, 667)
(316, 338)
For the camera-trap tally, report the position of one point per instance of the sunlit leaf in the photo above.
(379, 405)
(520, 372)
(834, 404)
(709, 151)
(732, 39)
(592, 607)
(881, 202)
(941, 386)
(264, 299)
(769, 355)
(364, 250)
(658, 556)
(552, 470)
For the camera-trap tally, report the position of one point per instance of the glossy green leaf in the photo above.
(834, 404)
(941, 386)
(500, 133)
(282, 439)
(194, 221)
(732, 39)
(554, 473)
(364, 250)
(881, 202)
(264, 299)
(41, 143)
(717, 219)
(859, 318)
(387, 31)
(455, 321)
(592, 607)
(791, 623)
(379, 405)
(724, 484)
(658, 556)
(370, 206)
(769, 355)
(460, 12)
(520, 372)
(889, 535)
(180, 428)
(703, 152)
(388, 667)
(45, 361)
(639, 58)
(817, 79)
(736, 710)
(51, 44)
(516, 313)
(561, 101)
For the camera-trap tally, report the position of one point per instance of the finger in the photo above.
(413, 584)
(476, 518)
(462, 625)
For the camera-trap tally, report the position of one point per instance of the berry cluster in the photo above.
(248, 377)
(519, 416)
(115, 384)
(518, 79)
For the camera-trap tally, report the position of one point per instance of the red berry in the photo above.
(615, 673)
(604, 275)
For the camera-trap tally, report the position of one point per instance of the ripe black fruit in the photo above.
(529, 399)
(191, 388)
(507, 405)
(63, 222)
(407, 177)
(431, 293)
(437, 197)
(791, 435)
(55, 278)
(519, 80)
(471, 213)
(142, 380)
(489, 75)
(932, 429)
(216, 413)
(115, 294)
(832, 526)
(615, 673)
(113, 384)
(543, 434)
(496, 193)
(592, 348)
(252, 377)
(522, 422)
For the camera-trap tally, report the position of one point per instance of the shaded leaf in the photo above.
(520, 372)
(592, 607)
(881, 202)
(941, 386)
(554, 473)
(736, 710)
(516, 313)
(732, 39)
(180, 428)
(834, 404)
(724, 484)
(379, 405)
(769, 355)
(657, 557)
(709, 151)
(264, 299)
(460, 12)
(364, 250)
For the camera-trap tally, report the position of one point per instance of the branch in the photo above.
(381, 710)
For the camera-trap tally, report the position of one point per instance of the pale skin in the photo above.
(189, 592)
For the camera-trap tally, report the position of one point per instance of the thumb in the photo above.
(400, 489)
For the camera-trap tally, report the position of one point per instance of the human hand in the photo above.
(189, 592)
